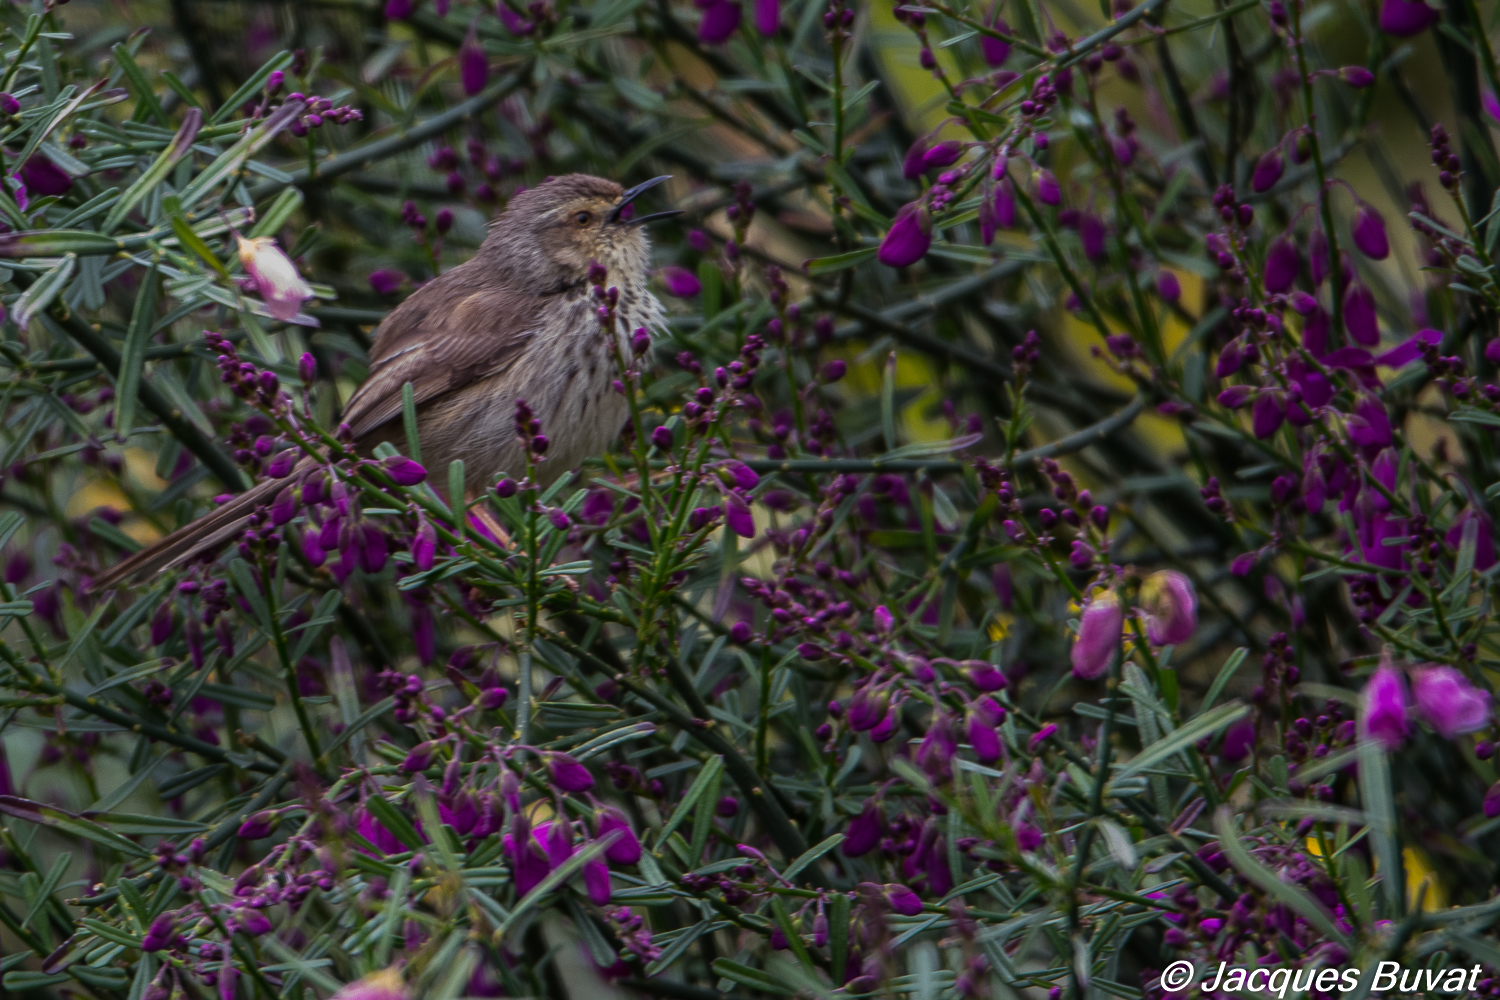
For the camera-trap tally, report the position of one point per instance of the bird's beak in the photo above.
(634, 193)
(655, 217)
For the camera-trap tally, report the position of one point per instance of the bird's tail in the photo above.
(207, 534)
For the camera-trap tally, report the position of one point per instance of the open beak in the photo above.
(655, 217)
(634, 193)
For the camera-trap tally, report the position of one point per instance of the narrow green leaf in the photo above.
(1199, 728)
(251, 87)
(812, 854)
(154, 175)
(558, 876)
(838, 262)
(888, 402)
(753, 978)
(60, 819)
(133, 357)
(43, 292)
(49, 886)
(244, 582)
(409, 418)
(138, 83)
(232, 159)
(707, 776)
(1380, 814)
(192, 241)
(394, 820)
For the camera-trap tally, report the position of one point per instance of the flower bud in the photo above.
(1283, 264)
(679, 281)
(473, 64)
(258, 826)
(568, 773)
(1171, 606)
(661, 438)
(1356, 76)
(1383, 708)
(281, 288)
(909, 237)
(1268, 170)
(1098, 636)
(403, 470)
(1368, 230)
(1447, 701)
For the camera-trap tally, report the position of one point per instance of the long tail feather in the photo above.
(207, 534)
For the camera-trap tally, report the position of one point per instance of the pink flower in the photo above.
(883, 619)
(626, 848)
(1383, 708)
(384, 985)
(909, 237)
(1098, 636)
(1368, 230)
(281, 287)
(720, 21)
(1171, 606)
(473, 64)
(1404, 18)
(680, 282)
(1447, 701)
(1048, 191)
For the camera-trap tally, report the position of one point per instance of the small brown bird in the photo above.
(517, 321)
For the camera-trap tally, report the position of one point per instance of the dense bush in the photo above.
(1052, 536)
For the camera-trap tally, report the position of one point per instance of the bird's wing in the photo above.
(440, 340)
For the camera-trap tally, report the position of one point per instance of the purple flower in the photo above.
(1091, 233)
(1098, 636)
(160, 936)
(681, 282)
(832, 371)
(868, 706)
(1447, 701)
(43, 177)
(1368, 230)
(1239, 740)
(1484, 538)
(1171, 606)
(1041, 736)
(1359, 315)
(568, 773)
(1356, 76)
(1410, 349)
(995, 50)
(1404, 18)
(1370, 424)
(254, 923)
(398, 10)
(281, 288)
(886, 728)
(514, 23)
(912, 166)
(626, 848)
(1235, 396)
(1267, 414)
(419, 758)
(162, 622)
(1167, 286)
(282, 463)
(473, 64)
(943, 154)
(1492, 801)
(596, 881)
(864, 831)
(373, 550)
(983, 738)
(258, 826)
(908, 239)
(1005, 204)
(1383, 708)
(424, 545)
(284, 507)
(984, 676)
(768, 17)
(883, 620)
(1048, 191)
(741, 475)
(403, 470)
(1268, 170)
(8, 104)
(720, 21)
(1283, 264)
(661, 438)
(902, 899)
(1081, 555)
(737, 515)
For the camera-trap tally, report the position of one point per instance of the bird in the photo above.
(517, 321)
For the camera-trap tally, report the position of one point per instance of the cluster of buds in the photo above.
(321, 110)
(407, 690)
(1450, 167)
(838, 19)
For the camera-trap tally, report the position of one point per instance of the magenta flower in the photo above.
(596, 882)
(1447, 702)
(721, 19)
(1267, 414)
(1404, 18)
(1359, 315)
(741, 475)
(1005, 204)
(1283, 264)
(768, 17)
(1171, 606)
(8, 103)
(737, 515)
(984, 676)
(995, 50)
(943, 154)
(424, 545)
(1091, 233)
(902, 899)
(1356, 76)
(281, 288)
(1383, 708)
(403, 470)
(1167, 286)
(1409, 349)
(160, 935)
(864, 831)
(473, 64)
(625, 849)
(1268, 170)
(912, 166)
(983, 738)
(868, 706)
(883, 619)
(386, 280)
(1239, 740)
(258, 826)
(43, 177)
(568, 773)
(908, 239)
(680, 282)
(1048, 191)
(1368, 230)
(398, 10)
(1492, 801)
(1098, 636)
(513, 22)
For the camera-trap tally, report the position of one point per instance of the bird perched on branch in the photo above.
(515, 322)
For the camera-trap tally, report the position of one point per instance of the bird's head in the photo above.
(556, 229)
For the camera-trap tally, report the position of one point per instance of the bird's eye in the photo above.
(583, 218)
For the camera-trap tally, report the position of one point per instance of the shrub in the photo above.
(906, 641)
